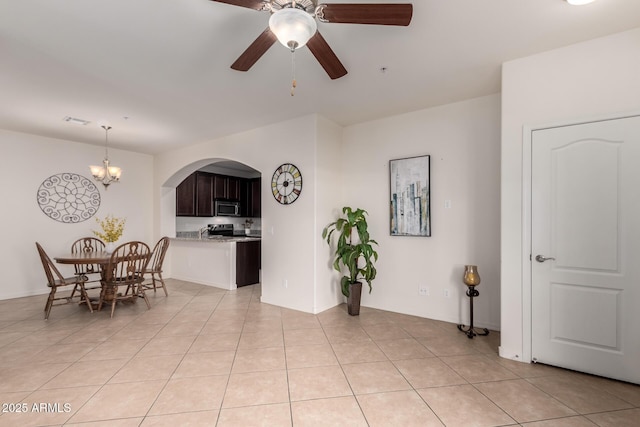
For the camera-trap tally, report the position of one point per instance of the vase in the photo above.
(471, 276)
(353, 300)
(110, 247)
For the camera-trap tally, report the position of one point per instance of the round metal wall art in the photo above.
(68, 197)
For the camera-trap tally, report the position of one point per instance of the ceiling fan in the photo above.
(293, 23)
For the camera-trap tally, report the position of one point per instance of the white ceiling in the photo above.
(164, 64)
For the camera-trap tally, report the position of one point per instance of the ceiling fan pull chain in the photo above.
(293, 72)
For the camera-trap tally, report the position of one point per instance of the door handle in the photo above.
(541, 258)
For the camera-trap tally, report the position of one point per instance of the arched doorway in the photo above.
(169, 224)
(192, 210)
(221, 182)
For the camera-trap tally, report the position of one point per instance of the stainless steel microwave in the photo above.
(226, 208)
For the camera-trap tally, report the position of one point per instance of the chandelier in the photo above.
(106, 174)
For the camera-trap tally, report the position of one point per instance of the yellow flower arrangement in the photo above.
(112, 228)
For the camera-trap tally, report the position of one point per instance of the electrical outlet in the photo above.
(285, 283)
(423, 290)
(446, 293)
(447, 204)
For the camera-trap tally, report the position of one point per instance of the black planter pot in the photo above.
(353, 301)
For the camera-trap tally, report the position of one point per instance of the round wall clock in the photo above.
(286, 183)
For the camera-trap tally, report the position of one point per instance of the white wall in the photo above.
(28, 160)
(573, 84)
(330, 187)
(463, 140)
(289, 233)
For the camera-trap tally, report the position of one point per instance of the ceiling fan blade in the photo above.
(255, 51)
(362, 13)
(249, 4)
(325, 56)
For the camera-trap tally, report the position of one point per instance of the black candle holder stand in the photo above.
(471, 332)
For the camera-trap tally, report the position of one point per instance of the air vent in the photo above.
(76, 121)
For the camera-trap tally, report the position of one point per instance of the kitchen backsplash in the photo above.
(194, 223)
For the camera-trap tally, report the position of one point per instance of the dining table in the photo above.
(100, 258)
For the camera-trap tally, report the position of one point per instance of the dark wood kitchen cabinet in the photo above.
(219, 187)
(204, 194)
(233, 188)
(255, 210)
(226, 187)
(250, 197)
(196, 194)
(248, 262)
(245, 194)
(186, 197)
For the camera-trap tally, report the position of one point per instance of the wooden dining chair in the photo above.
(56, 280)
(125, 270)
(91, 272)
(155, 266)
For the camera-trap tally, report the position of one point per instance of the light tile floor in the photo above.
(204, 356)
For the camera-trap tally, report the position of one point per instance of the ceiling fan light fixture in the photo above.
(293, 27)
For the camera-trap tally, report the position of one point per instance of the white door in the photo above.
(585, 220)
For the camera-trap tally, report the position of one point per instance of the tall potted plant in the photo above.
(355, 253)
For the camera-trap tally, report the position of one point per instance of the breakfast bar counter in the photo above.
(213, 261)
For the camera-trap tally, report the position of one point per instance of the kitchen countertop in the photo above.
(192, 237)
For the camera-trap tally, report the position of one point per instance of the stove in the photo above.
(220, 229)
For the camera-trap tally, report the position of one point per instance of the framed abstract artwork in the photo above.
(410, 205)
